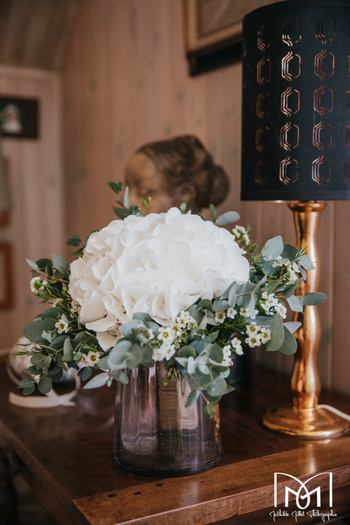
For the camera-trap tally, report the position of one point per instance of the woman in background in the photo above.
(175, 171)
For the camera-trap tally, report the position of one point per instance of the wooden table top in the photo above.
(65, 454)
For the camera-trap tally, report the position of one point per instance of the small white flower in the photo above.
(231, 313)
(253, 340)
(226, 361)
(183, 319)
(35, 284)
(149, 333)
(281, 310)
(246, 238)
(279, 262)
(264, 295)
(57, 302)
(62, 326)
(237, 346)
(265, 335)
(166, 334)
(169, 351)
(176, 329)
(220, 317)
(75, 310)
(253, 329)
(90, 359)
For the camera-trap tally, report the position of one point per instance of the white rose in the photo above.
(159, 264)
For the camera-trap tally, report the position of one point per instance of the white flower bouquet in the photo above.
(168, 287)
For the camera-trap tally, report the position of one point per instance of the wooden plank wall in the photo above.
(35, 178)
(125, 82)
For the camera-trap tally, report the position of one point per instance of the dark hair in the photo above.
(184, 159)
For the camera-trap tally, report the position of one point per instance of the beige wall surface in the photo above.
(125, 82)
(36, 227)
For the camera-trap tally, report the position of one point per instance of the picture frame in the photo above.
(6, 276)
(213, 31)
(19, 117)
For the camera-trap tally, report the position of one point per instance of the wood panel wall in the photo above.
(35, 178)
(125, 82)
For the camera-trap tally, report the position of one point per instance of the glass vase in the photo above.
(155, 434)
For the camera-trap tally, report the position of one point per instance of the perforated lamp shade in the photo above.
(296, 101)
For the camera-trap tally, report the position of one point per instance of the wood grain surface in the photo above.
(65, 454)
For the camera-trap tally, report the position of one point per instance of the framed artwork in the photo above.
(6, 276)
(213, 30)
(18, 117)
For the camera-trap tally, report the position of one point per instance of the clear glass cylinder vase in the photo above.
(155, 434)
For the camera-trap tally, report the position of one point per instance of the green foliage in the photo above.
(245, 315)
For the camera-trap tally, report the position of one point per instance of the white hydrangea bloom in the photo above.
(159, 264)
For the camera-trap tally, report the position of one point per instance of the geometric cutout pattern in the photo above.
(290, 101)
(291, 66)
(288, 171)
(324, 64)
(263, 105)
(321, 170)
(325, 29)
(289, 136)
(262, 172)
(264, 37)
(323, 100)
(263, 73)
(322, 135)
(291, 31)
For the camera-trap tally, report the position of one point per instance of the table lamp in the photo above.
(296, 148)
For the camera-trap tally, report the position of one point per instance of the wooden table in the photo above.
(65, 454)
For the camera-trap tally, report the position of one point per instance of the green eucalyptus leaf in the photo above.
(290, 289)
(277, 334)
(289, 345)
(28, 390)
(27, 382)
(209, 409)
(232, 297)
(187, 351)
(213, 212)
(227, 218)
(97, 381)
(192, 397)
(210, 338)
(75, 240)
(273, 247)
(215, 353)
(122, 213)
(116, 186)
(33, 265)
(272, 286)
(292, 326)
(306, 263)
(67, 350)
(120, 376)
(55, 312)
(313, 299)
(143, 317)
(86, 373)
(60, 264)
(295, 304)
(45, 385)
(42, 263)
(217, 387)
(289, 251)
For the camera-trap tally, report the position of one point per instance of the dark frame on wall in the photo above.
(213, 32)
(19, 117)
(6, 276)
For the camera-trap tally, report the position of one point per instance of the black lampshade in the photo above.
(296, 101)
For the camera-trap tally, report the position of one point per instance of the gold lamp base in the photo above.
(308, 423)
(305, 418)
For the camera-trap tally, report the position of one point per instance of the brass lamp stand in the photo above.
(304, 418)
